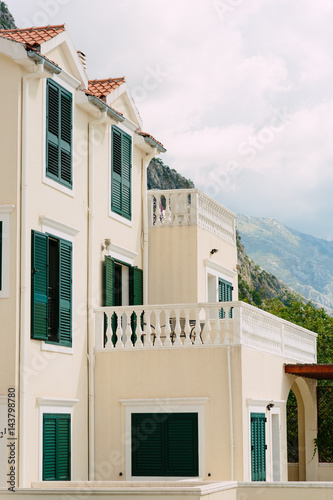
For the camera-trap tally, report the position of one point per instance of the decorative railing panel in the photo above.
(201, 325)
(190, 207)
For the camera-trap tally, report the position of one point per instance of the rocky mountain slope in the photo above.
(7, 21)
(160, 176)
(303, 262)
(255, 285)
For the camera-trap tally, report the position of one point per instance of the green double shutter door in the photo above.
(59, 134)
(165, 444)
(225, 294)
(258, 447)
(40, 288)
(56, 447)
(135, 284)
(121, 167)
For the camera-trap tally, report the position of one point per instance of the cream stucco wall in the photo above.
(180, 260)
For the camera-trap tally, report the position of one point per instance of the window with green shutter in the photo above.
(258, 447)
(121, 172)
(56, 447)
(51, 289)
(225, 294)
(59, 134)
(165, 444)
(114, 289)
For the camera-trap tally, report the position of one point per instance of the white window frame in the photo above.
(65, 232)
(260, 406)
(216, 271)
(112, 214)
(5, 211)
(48, 405)
(46, 180)
(170, 405)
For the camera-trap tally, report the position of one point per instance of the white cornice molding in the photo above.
(217, 267)
(68, 403)
(6, 209)
(164, 402)
(58, 226)
(121, 253)
(264, 402)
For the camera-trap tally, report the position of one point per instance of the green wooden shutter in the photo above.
(258, 447)
(65, 293)
(64, 447)
(165, 444)
(109, 282)
(49, 447)
(116, 157)
(136, 286)
(59, 133)
(182, 445)
(56, 447)
(126, 175)
(39, 285)
(225, 294)
(121, 158)
(0, 255)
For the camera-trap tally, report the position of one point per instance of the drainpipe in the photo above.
(91, 356)
(24, 278)
(145, 163)
(230, 416)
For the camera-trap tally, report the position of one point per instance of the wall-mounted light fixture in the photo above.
(270, 406)
(106, 245)
(213, 250)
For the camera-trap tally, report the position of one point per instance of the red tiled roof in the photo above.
(33, 36)
(102, 88)
(144, 134)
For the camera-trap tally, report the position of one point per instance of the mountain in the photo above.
(7, 21)
(303, 262)
(160, 176)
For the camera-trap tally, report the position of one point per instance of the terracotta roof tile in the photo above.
(102, 88)
(33, 36)
(144, 134)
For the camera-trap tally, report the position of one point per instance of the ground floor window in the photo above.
(165, 444)
(56, 447)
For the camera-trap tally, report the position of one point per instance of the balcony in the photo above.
(201, 325)
(190, 207)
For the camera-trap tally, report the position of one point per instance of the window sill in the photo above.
(56, 348)
(59, 187)
(120, 218)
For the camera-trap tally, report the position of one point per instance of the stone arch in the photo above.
(305, 392)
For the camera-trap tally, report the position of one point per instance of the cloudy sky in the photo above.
(239, 92)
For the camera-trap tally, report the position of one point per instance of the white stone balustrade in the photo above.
(188, 207)
(201, 325)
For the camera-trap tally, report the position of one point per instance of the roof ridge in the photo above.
(34, 28)
(110, 79)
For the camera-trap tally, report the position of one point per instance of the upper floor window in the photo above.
(121, 172)
(51, 289)
(59, 134)
(225, 294)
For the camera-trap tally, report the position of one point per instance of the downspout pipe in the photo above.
(230, 415)
(24, 275)
(91, 357)
(145, 163)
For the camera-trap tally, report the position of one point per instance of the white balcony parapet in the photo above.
(176, 326)
(190, 207)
